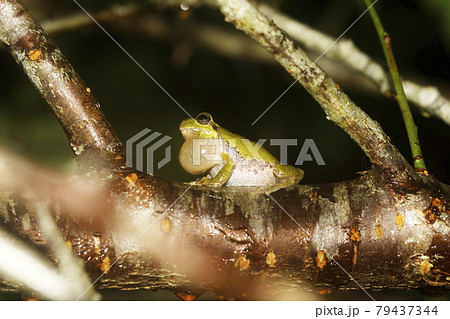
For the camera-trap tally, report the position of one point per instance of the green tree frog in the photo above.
(231, 160)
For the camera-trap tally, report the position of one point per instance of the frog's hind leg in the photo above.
(285, 180)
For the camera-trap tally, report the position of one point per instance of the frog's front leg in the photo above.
(222, 176)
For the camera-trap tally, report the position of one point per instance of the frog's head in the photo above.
(202, 126)
(191, 155)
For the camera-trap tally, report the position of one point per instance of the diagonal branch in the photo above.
(428, 99)
(70, 99)
(337, 105)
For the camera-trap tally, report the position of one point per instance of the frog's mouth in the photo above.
(184, 129)
(196, 132)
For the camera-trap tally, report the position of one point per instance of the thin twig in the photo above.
(80, 19)
(411, 127)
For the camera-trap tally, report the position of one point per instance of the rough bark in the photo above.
(243, 244)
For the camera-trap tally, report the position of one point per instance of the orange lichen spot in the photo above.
(425, 267)
(34, 55)
(186, 297)
(355, 235)
(321, 259)
(437, 203)
(312, 195)
(271, 259)
(399, 220)
(338, 87)
(422, 171)
(378, 230)
(166, 225)
(132, 178)
(355, 256)
(325, 291)
(242, 263)
(88, 90)
(69, 244)
(105, 265)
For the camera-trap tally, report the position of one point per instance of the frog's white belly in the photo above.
(247, 172)
(252, 175)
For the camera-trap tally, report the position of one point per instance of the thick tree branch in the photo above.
(242, 244)
(70, 99)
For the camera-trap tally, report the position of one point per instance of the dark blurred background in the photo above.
(234, 90)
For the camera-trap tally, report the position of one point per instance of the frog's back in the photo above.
(256, 152)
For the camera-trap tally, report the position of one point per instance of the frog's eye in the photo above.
(203, 118)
